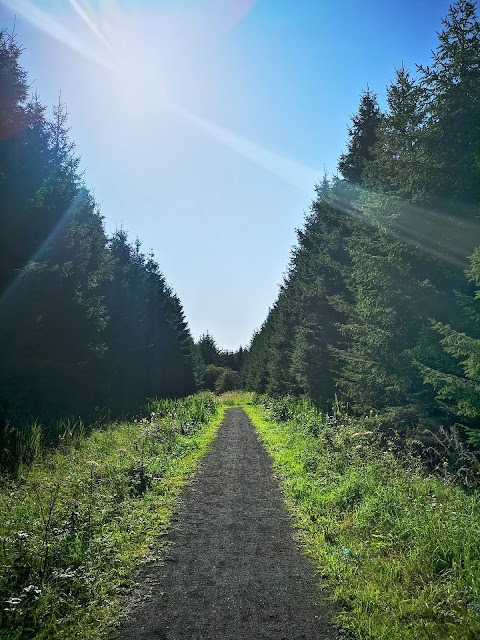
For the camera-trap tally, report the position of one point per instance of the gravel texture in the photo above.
(232, 570)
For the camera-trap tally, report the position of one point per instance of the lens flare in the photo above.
(449, 233)
(44, 22)
(90, 23)
(287, 170)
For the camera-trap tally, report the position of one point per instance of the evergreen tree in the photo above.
(362, 138)
(296, 349)
(460, 387)
(150, 348)
(53, 256)
(84, 322)
(452, 85)
(397, 162)
(208, 350)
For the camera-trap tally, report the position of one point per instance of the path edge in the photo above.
(262, 424)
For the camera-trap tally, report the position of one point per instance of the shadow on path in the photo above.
(232, 571)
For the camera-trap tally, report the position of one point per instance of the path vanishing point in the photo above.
(232, 570)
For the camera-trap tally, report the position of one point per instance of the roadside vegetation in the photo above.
(76, 521)
(381, 302)
(397, 545)
(89, 326)
(378, 316)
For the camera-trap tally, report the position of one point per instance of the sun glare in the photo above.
(149, 63)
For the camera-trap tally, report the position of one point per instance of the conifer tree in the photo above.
(397, 162)
(255, 368)
(296, 349)
(208, 350)
(362, 137)
(460, 387)
(84, 322)
(452, 85)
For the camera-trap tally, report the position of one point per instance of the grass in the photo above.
(399, 548)
(75, 522)
(236, 398)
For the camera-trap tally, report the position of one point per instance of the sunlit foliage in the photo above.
(382, 253)
(87, 322)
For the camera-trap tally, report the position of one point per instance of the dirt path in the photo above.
(233, 571)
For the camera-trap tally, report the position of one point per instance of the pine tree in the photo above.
(397, 161)
(460, 387)
(452, 85)
(362, 138)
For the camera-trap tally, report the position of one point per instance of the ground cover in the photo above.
(75, 523)
(398, 547)
(233, 570)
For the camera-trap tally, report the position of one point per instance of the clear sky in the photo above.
(203, 124)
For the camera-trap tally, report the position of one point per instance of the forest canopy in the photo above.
(380, 305)
(88, 321)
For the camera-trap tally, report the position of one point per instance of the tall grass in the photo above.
(80, 517)
(188, 413)
(23, 437)
(399, 547)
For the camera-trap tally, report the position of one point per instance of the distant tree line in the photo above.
(220, 369)
(87, 321)
(381, 302)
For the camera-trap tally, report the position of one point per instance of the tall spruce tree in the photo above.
(398, 161)
(459, 387)
(362, 137)
(296, 349)
(452, 85)
(84, 322)
(402, 240)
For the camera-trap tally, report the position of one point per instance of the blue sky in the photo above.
(203, 124)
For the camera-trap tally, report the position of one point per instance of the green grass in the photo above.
(75, 523)
(236, 398)
(399, 549)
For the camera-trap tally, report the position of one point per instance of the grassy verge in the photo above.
(75, 523)
(399, 548)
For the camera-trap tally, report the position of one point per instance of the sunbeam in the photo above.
(450, 238)
(291, 172)
(10, 293)
(134, 73)
(44, 22)
(90, 23)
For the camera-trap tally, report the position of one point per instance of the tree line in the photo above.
(220, 369)
(380, 306)
(87, 320)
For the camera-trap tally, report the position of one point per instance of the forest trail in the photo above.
(232, 570)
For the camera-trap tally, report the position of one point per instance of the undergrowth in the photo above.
(76, 521)
(398, 546)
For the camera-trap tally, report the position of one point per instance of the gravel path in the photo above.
(232, 571)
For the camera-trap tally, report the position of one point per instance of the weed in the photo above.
(76, 521)
(399, 546)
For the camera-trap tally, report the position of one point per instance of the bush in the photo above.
(221, 379)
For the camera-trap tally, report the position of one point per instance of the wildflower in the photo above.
(12, 604)
(32, 591)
